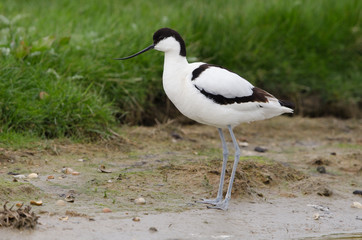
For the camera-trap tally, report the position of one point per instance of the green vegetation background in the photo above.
(58, 77)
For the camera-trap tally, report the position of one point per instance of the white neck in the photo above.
(174, 63)
(174, 74)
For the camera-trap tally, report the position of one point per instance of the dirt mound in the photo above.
(249, 174)
(17, 190)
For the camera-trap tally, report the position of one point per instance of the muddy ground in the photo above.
(277, 194)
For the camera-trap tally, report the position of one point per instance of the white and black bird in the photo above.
(212, 95)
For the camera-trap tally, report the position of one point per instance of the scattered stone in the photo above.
(20, 218)
(140, 201)
(75, 173)
(316, 216)
(319, 207)
(60, 203)
(50, 177)
(323, 191)
(106, 210)
(333, 153)
(176, 136)
(321, 169)
(64, 218)
(20, 176)
(13, 173)
(71, 213)
(356, 205)
(19, 205)
(358, 218)
(109, 181)
(216, 172)
(33, 175)
(81, 160)
(260, 149)
(67, 170)
(70, 197)
(136, 219)
(36, 203)
(153, 229)
(358, 192)
(102, 169)
(320, 161)
(243, 144)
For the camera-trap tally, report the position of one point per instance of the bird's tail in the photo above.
(287, 104)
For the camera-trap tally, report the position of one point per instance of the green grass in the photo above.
(58, 77)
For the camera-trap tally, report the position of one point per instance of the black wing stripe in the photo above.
(258, 95)
(196, 73)
(199, 70)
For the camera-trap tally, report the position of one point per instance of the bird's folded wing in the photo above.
(219, 81)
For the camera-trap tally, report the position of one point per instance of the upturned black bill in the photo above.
(144, 50)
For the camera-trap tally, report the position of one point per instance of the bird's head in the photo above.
(164, 40)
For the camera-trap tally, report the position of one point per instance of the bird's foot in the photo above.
(210, 201)
(223, 205)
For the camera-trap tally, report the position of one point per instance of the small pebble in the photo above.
(50, 177)
(20, 176)
(356, 205)
(60, 203)
(136, 219)
(153, 229)
(19, 205)
(244, 144)
(36, 203)
(260, 149)
(316, 216)
(102, 169)
(75, 173)
(106, 210)
(323, 191)
(70, 198)
(321, 169)
(64, 218)
(140, 201)
(176, 136)
(67, 170)
(33, 175)
(357, 192)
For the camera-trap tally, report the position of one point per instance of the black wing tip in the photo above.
(287, 104)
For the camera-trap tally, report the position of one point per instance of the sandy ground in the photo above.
(274, 219)
(277, 194)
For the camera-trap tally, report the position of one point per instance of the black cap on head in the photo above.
(167, 32)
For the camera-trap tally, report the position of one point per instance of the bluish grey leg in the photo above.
(222, 176)
(225, 203)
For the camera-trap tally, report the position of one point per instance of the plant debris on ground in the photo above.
(21, 218)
